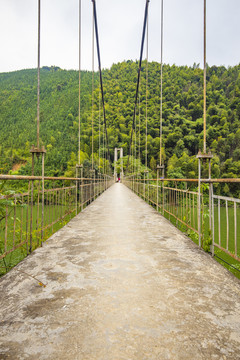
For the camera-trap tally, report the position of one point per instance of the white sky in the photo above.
(120, 30)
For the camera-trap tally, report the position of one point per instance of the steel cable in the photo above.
(92, 82)
(100, 74)
(161, 101)
(139, 74)
(79, 86)
(146, 146)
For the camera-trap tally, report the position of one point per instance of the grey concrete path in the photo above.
(121, 284)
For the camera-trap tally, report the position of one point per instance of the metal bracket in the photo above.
(204, 155)
(37, 151)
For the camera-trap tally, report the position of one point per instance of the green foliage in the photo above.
(7, 205)
(182, 117)
(7, 202)
(153, 164)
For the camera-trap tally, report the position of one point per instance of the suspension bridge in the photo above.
(119, 280)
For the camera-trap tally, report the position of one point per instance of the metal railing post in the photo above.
(94, 185)
(144, 186)
(76, 194)
(31, 213)
(82, 189)
(203, 157)
(161, 167)
(212, 207)
(199, 202)
(43, 189)
(210, 197)
(176, 203)
(148, 187)
(91, 185)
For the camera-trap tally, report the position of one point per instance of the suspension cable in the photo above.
(79, 94)
(99, 128)
(100, 72)
(103, 154)
(139, 130)
(161, 104)
(205, 84)
(38, 86)
(92, 80)
(135, 149)
(139, 73)
(146, 148)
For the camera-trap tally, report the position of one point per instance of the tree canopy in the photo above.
(182, 117)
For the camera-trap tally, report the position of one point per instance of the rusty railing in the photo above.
(211, 220)
(28, 216)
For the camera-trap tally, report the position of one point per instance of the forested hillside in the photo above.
(182, 116)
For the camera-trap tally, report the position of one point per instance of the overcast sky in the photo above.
(120, 30)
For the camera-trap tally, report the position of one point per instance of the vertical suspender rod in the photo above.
(100, 70)
(139, 70)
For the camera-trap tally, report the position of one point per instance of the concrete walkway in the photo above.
(121, 284)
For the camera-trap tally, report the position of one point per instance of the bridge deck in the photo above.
(121, 283)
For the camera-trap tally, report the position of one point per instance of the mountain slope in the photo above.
(182, 115)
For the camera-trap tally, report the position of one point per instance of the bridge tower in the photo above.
(120, 150)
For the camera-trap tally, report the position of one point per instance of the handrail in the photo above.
(25, 177)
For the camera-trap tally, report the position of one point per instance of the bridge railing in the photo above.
(226, 221)
(30, 212)
(211, 220)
